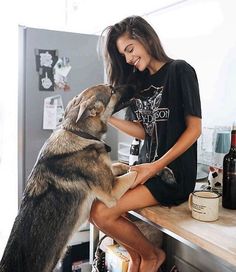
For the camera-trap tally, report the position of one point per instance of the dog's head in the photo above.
(90, 110)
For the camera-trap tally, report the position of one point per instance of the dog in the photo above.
(73, 169)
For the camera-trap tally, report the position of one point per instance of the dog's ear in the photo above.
(84, 105)
(90, 107)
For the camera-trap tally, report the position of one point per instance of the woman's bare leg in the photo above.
(135, 259)
(111, 222)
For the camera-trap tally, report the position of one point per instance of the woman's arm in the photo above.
(188, 137)
(132, 128)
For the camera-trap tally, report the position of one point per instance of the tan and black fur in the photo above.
(70, 172)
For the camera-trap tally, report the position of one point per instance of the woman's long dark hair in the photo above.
(118, 71)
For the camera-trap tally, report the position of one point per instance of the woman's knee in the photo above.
(99, 214)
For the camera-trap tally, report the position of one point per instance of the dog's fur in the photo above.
(70, 172)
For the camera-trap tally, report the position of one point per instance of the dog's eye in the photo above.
(113, 91)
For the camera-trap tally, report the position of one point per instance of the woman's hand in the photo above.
(144, 172)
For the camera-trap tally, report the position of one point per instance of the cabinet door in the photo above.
(184, 266)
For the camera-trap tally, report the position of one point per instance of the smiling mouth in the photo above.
(136, 62)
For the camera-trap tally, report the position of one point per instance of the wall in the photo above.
(8, 120)
(202, 33)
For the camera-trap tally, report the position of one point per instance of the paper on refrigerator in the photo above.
(53, 112)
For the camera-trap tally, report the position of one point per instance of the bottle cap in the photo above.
(234, 126)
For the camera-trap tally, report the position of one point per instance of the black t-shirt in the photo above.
(168, 96)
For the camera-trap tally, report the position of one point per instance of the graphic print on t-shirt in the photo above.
(148, 109)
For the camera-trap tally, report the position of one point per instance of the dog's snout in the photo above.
(125, 90)
(125, 94)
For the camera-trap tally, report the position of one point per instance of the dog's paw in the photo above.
(119, 168)
(167, 175)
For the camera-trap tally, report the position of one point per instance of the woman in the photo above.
(166, 114)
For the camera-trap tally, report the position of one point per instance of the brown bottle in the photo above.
(229, 174)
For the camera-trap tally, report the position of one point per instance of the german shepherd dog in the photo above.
(73, 168)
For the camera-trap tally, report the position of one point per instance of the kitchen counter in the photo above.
(217, 238)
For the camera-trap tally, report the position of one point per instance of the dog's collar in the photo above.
(89, 136)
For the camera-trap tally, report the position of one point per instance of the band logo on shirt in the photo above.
(161, 114)
(148, 110)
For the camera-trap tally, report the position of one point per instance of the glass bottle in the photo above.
(229, 174)
(134, 151)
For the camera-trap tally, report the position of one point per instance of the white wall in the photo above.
(202, 32)
(8, 120)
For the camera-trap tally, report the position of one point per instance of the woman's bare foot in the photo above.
(153, 262)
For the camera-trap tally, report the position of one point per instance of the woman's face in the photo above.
(135, 53)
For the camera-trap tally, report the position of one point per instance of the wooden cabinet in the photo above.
(188, 259)
(192, 244)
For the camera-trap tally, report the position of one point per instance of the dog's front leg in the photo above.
(123, 184)
(108, 199)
